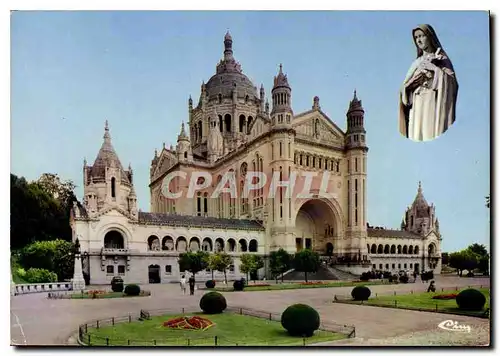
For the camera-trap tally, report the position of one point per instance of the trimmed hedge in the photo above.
(132, 290)
(117, 284)
(471, 299)
(361, 293)
(300, 320)
(213, 303)
(210, 284)
(239, 285)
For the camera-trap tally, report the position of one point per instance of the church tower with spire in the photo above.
(184, 152)
(282, 134)
(106, 183)
(356, 156)
(420, 218)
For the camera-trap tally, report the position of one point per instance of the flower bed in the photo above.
(96, 293)
(258, 285)
(445, 296)
(188, 323)
(311, 283)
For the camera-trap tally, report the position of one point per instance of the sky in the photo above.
(71, 71)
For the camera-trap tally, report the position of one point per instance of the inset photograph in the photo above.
(428, 96)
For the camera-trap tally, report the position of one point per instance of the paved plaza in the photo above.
(36, 320)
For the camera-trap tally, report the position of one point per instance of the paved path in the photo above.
(36, 320)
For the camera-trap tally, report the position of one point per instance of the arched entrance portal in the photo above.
(316, 227)
(154, 274)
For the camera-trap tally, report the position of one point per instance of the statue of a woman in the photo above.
(429, 94)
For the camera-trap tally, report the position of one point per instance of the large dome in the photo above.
(229, 76)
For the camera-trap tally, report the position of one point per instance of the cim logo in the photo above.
(451, 325)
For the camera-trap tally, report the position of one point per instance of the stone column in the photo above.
(78, 280)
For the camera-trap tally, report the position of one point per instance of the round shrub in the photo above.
(403, 279)
(210, 284)
(361, 293)
(117, 284)
(213, 303)
(470, 274)
(300, 320)
(471, 299)
(238, 285)
(132, 289)
(39, 275)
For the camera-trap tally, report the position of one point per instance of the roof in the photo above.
(107, 157)
(389, 233)
(199, 221)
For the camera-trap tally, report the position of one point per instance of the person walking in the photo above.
(191, 285)
(183, 284)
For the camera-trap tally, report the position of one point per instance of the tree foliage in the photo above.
(193, 262)
(55, 256)
(306, 261)
(220, 262)
(279, 262)
(250, 263)
(39, 210)
(474, 256)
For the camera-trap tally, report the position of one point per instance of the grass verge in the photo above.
(424, 302)
(285, 286)
(229, 330)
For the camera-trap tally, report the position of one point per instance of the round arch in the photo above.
(317, 221)
(219, 245)
(231, 245)
(123, 230)
(207, 245)
(114, 239)
(242, 245)
(181, 244)
(253, 245)
(194, 244)
(153, 243)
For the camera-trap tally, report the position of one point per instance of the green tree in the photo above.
(55, 256)
(36, 215)
(193, 262)
(246, 263)
(478, 249)
(465, 259)
(306, 261)
(279, 262)
(258, 263)
(220, 262)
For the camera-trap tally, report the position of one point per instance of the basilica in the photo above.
(234, 127)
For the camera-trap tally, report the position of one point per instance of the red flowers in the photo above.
(188, 323)
(445, 296)
(258, 285)
(311, 283)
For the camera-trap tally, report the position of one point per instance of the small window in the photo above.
(404, 266)
(374, 266)
(110, 269)
(393, 266)
(380, 266)
(399, 265)
(386, 266)
(168, 269)
(121, 269)
(231, 268)
(411, 265)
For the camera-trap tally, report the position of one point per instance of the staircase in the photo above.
(342, 275)
(323, 274)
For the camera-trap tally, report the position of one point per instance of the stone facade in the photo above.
(234, 129)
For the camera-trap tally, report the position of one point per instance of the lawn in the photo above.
(230, 329)
(424, 301)
(251, 288)
(105, 295)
